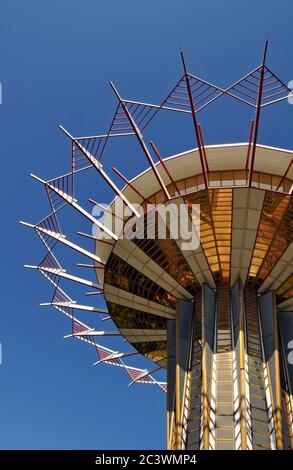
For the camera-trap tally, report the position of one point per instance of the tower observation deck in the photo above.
(218, 316)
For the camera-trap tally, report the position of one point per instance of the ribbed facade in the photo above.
(212, 316)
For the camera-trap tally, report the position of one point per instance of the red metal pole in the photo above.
(129, 184)
(203, 147)
(194, 121)
(92, 201)
(257, 114)
(285, 175)
(163, 165)
(249, 144)
(141, 142)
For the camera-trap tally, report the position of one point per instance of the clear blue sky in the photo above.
(56, 59)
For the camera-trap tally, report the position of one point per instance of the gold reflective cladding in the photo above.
(166, 253)
(127, 317)
(285, 291)
(274, 235)
(123, 276)
(216, 230)
(130, 318)
(155, 351)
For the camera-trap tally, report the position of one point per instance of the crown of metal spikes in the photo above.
(258, 89)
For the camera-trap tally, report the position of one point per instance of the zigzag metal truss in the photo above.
(258, 89)
(51, 269)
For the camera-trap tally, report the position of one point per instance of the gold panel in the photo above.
(155, 351)
(167, 255)
(130, 318)
(216, 230)
(122, 275)
(285, 291)
(274, 235)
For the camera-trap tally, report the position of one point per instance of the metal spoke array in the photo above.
(63, 303)
(52, 270)
(191, 94)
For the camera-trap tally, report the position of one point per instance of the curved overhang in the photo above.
(246, 233)
(227, 157)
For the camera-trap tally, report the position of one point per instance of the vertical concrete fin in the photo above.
(208, 374)
(171, 366)
(241, 402)
(194, 421)
(259, 412)
(184, 317)
(268, 315)
(285, 321)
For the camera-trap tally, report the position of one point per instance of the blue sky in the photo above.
(56, 59)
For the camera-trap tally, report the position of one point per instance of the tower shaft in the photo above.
(229, 386)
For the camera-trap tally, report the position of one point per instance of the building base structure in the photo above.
(229, 386)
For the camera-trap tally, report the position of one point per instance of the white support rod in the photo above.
(83, 265)
(73, 246)
(101, 292)
(68, 315)
(144, 374)
(106, 177)
(98, 166)
(66, 132)
(141, 142)
(63, 274)
(70, 200)
(75, 306)
(91, 332)
(88, 333)
(88, 308)
(56, 271)
(26, 224)
(116, 355)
